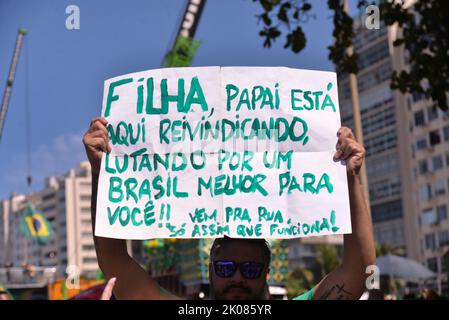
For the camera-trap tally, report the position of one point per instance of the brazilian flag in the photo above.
(35, 226)
(154, 243)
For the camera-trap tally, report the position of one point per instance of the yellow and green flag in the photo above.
(35, 226)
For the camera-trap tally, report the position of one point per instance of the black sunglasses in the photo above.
(248, 269)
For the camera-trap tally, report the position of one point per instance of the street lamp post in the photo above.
(357, 117)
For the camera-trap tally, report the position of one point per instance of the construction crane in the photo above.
(7, 95)
(28, 276)
(184, 47)
(11, 76)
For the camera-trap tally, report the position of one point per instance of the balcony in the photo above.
(25, 278)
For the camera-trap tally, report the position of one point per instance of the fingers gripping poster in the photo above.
(238, 151)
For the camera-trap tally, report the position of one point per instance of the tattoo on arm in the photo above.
(339, 293)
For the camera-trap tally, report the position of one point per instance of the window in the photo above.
(381, 142)
(48, 208)
(421, 143)
(418, 96)
(385, 188)
(365, 36)
(378, 120)
(86, 235)
(373, 100)
(446, 133)
(428, 216)
(443, 238)
(439, 188)
(82, 172)
(373, 55)
(423, 168)
(386, 165)
(387, 211)
(432, 113)
(89, 260)
(430, 241)
(437, 162)
(88, 247)
(48, 197)
(434, 137)
(442, 213)
(432, 264)
(425, 192)
(375, 77)
(85, 197)
(419, 118)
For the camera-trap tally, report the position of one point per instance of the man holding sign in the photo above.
(182, 162)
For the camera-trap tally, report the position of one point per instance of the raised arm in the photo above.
(133, 282)
(347, 282)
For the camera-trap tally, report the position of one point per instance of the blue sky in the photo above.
(61, 72)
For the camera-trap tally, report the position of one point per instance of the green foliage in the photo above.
(299, 281)
(100, 275)
(287, 14)
(182, 53)
(425, 37)
(162, 257)
(327, 259)
(343, 34)
(384, 248)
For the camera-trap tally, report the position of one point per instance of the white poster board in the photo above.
(206, 152)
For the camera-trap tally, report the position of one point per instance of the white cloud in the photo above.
(54, 158)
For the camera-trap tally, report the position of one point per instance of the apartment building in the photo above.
(65, 203)
(407, 145)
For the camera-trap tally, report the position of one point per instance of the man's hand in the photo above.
(96, 141)
(107, 292)
(348, 280)
(350, 150)
(113, 258)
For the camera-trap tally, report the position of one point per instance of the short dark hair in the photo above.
(261, 243)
